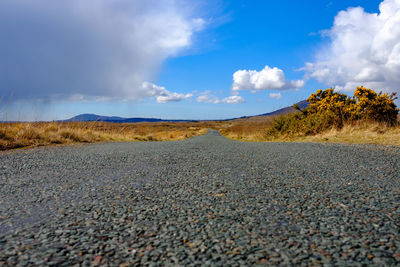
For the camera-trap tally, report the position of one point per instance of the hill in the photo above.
(302, 104)
(268, 116)
(93, 117)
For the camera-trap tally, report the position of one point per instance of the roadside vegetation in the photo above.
(17, 135)
(249, 129)
(366, 117)
(328, 109)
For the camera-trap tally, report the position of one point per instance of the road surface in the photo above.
(204, 201)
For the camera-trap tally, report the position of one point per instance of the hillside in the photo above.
(302, 104)
(95, 117)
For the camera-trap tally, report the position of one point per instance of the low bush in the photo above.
(328, 109)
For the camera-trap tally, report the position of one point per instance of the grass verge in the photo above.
(252, 129)
(361, 132)
(17, 135)
(256, 129)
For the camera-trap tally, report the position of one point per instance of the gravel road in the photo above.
(204, 201)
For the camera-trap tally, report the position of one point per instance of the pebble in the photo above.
(205, 201)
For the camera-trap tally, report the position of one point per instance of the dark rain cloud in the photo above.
(95, 49)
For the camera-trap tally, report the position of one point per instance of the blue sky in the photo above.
(177, 59)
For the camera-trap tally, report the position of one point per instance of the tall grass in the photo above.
(247, 129)
(281, 129)
(17, 135)
(288, 128)
(360, 132)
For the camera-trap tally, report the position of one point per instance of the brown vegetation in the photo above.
(249, 129)
(362, 132)
(16, 135)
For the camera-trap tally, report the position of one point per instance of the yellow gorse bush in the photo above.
(328, 109)
(379, 107)
(365, 104)
(340, 106)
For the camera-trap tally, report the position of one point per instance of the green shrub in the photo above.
(301, 124)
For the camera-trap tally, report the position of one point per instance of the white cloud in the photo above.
(275, 95)
(208, 97)
(161, 94)
(266, 79)
(94, 48)
(364, 49)
(233, 99)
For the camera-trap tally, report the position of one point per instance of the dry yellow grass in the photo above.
(362, 133)
(16, 135)
(357, 133)
(247, 129)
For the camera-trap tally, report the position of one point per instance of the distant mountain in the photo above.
(94, 117)
(302, 104)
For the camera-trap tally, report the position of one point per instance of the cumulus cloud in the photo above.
(233, 99)
(364, 49)
(89, 49)
(161, 94)
(275, 95)
(208, 97)
(266, 79)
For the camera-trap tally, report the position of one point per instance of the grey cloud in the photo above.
(91, 49)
